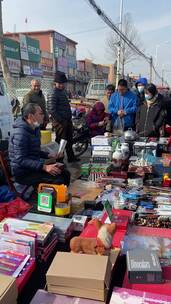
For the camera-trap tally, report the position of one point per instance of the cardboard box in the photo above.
(8, 290)
(44, 297)
(80, 275)
(127, 296)
(143, 267)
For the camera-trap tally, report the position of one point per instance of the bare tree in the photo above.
(113, 41)
(3, 60)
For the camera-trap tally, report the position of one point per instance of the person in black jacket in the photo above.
(151, 114)
(60, 112)
(27, 161)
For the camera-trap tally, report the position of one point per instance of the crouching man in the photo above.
(28, 162)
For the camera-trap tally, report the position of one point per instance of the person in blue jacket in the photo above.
(30, 165)
(123, 106)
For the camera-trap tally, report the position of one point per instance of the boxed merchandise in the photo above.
(101, 159)
(63, 226)
(143, 267)
(161, 245)
(101, 140)
(151, 147)
(30, 228)
(102, 153)
(138, 147)
(163, 288)
(127, 296)
(8, 290)
(85, 169)
(79, 275)
(102, 148)
(79, 222)
(44, 297)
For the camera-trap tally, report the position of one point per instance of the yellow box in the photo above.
(46, 137)
(62, 209)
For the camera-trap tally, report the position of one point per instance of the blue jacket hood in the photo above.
(142, 80)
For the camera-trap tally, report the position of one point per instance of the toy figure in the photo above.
(99, 245)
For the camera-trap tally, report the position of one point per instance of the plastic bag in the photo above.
(118, 126)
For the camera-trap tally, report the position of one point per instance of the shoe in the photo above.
(73, 160)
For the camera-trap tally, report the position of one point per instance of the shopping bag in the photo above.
(118, 126)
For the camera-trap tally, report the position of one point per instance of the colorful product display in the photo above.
(12, 263)
(128, 296)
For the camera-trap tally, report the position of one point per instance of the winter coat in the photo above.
(128, 103)
(166, 103)
(93, 118)
(37, 98)
(24, 149)
(150, 119)
(58, 106)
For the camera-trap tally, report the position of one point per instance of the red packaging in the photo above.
(26, 274)
(163, 288)
(122, 218)
(91, 232)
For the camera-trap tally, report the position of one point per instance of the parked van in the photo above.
(96, 89)
(6, 117)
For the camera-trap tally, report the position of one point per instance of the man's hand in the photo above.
(101, 123)
(52, 169)
(121, 113)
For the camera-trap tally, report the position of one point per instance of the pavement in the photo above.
(74, 168)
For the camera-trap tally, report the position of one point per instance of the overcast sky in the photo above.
(77, 20)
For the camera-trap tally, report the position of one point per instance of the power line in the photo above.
(110, 23)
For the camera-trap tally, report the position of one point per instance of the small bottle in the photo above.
(166, 180)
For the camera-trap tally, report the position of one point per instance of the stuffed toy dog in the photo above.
(98, 245)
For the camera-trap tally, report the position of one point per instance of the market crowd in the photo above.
(143, 109)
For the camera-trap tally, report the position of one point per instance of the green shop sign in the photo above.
(12, 48)
(33, 48)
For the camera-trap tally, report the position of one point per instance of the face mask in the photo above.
(148, 97)
(36, 124)
(140, 89)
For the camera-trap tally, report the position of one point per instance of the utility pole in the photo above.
(119, 46)
(151, 68)
(162, 77)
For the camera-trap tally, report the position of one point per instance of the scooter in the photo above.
(81, 136)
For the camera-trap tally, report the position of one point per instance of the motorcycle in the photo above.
(81, 135)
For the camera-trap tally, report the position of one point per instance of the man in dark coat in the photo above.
(35, 95)
(28, 162)
(60, 112)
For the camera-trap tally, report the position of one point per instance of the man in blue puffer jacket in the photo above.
(123, 105)
(27, 161)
